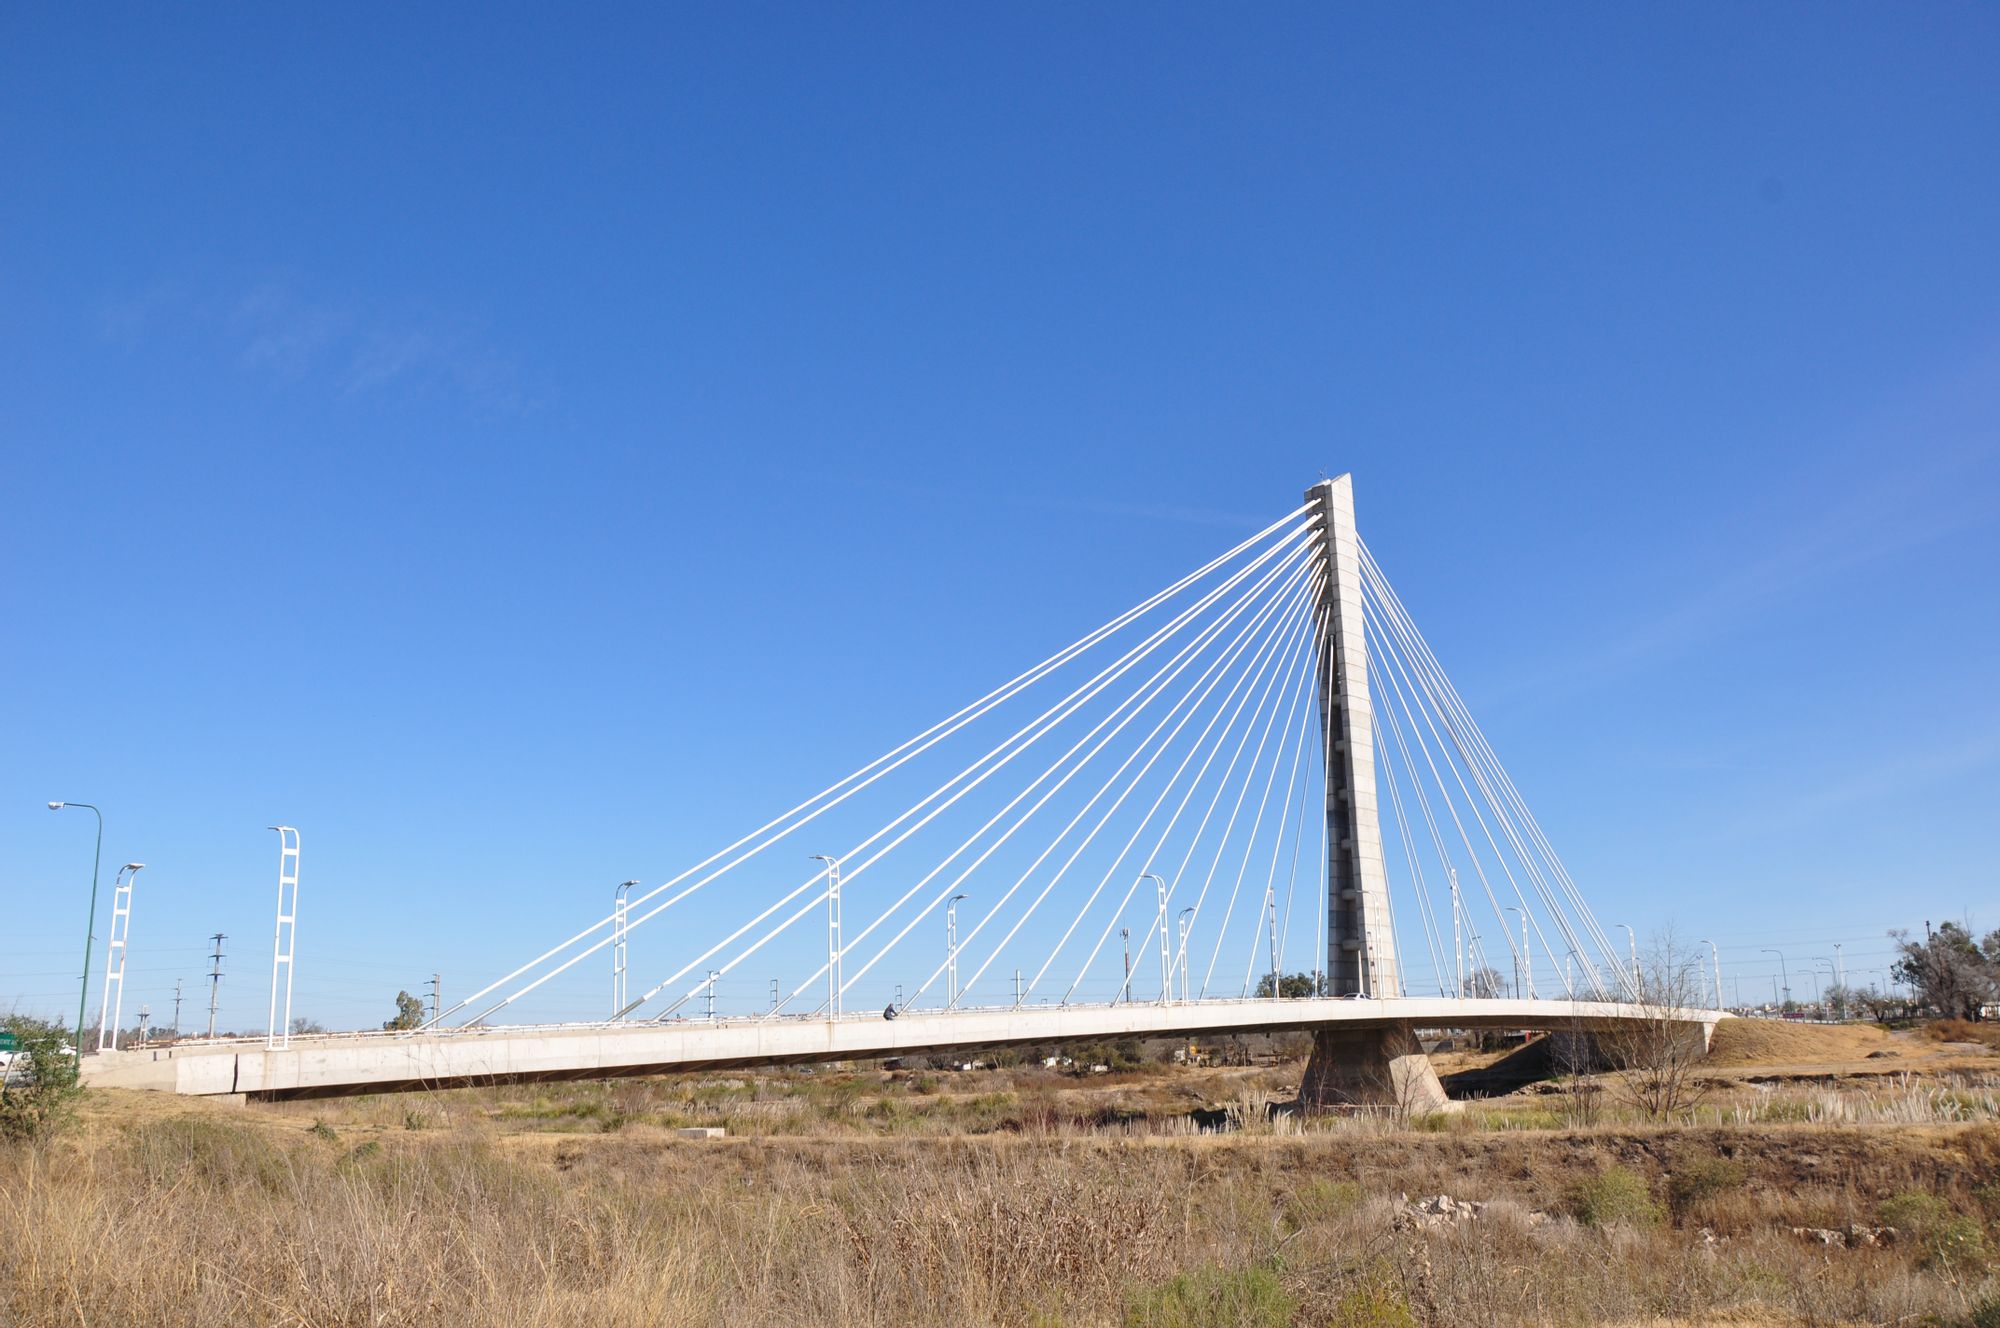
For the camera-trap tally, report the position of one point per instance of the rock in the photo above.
(702, 1132)
(1823, 1235)
(1435, 1211)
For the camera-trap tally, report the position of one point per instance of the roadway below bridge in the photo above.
(342, 1064)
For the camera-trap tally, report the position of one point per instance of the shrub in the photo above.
(1214, 1298)
(1958, 1244)
(40, 1090)
(1986, 1314)
(1616, 1196)
(1372, 1306)
(1914, 1213)
(1322, 1200)
(1703, 1178)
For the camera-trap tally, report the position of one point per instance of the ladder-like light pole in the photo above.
(114, 956)
(1716, 955)
(619, 929)
(284, 934)
(832, 932)
(951, 952)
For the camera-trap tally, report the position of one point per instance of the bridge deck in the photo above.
(387, 1062)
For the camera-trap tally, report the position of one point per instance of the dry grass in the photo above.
(1006, 1198)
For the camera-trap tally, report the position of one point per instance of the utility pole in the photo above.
(774, 995)
(712, 976)
(214, 979)
(1839, 967)
(177, 1007)
(437, 995)
(1271, 926)
(1017, 989)
(1125, 938)
(1457, 939)
(145, 1011)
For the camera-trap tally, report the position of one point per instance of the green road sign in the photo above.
(8, 1042)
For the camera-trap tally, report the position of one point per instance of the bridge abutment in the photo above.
(1371, 1067)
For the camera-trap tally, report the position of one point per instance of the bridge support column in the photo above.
(1371, 1067)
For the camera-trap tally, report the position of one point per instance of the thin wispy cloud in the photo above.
(1910, 483)
(278, 328)
(1884, 778)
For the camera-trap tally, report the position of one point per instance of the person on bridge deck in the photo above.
(889, 1010)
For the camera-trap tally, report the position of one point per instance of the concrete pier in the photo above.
(1371, 1067)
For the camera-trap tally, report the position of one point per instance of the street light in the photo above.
(1166, 960)
(90, 923)
(1716, 955)
(1787, 976)
(1186, 915)
(1632, 944)
(1519, 990)
(951, 951)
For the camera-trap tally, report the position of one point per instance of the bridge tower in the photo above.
(1360, 931)
(1378, 1064)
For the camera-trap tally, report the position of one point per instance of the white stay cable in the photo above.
(1112, 870)
(1278, 839)
(1292, 885)
(883, 764)
(1047, 963)
(1396, 691)
(1272, 691)
(1054, 716)
(1434, 685)
(1454, 703)
(1051, 884)
(1261, 675)
(1301, 609)
(1204, 683)
(1415, 865)
(1257, 820)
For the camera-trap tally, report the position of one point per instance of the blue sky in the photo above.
(526, 450)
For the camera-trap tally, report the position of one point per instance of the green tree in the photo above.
(1292, 987)
(38, 1088)
(409, 1013)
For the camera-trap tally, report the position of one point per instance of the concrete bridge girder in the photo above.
(385, 1062)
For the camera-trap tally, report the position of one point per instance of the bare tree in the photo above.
(1574, 1056)
(1658, 1052)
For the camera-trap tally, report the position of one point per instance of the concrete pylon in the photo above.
(1371, 1067)
(1360, 931)
(1382, 1066)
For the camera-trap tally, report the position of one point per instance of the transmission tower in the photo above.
(214, 979)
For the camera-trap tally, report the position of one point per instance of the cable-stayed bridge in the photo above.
(1141, 835)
